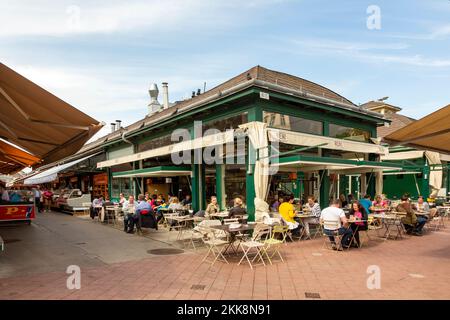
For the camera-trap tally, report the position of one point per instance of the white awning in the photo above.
(202, 142)
(310, 166)
(309, 140)
(405, 155)
(51, 174)
(159, 174)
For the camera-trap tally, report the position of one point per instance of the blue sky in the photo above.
(101, 56)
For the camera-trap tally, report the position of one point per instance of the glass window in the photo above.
(286, 122)
(226, 123)
(235, 183)
(341, 132)
(155, 143)
(121, 185)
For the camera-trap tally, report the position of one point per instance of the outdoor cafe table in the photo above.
(182, 223)
(220, 215)
(354, 221)
(390, 221)
(302, 216)
(233, 232)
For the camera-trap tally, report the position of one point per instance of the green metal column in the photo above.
(448, 179)
(250, 182)
(298, 191)
(109, 173)
(425, 187)
(195, 182)
(202, 184)
(324, 189)
(371, 184)
(220, 185)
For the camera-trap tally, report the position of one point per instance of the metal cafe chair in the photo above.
(215, 245)
(333, 228)
(260, 234)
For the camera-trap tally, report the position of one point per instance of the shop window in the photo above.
(226, 122)
(235, 176)
(297, 124)
(341, 132)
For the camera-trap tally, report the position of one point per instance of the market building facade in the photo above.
(318, 141)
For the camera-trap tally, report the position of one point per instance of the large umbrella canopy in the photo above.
(40, 122)
(430, 133)
(13, 159)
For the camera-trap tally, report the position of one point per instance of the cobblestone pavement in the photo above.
(116, 265)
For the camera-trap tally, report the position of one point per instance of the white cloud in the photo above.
(51, 18)
(367, 52)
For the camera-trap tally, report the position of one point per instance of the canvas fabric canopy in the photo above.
(308, 140)
(201, 142)
(429, 133)
(51, 174)
(12, 159)
(257, 134)
(39, 122)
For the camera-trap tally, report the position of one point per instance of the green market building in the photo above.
(320, 142)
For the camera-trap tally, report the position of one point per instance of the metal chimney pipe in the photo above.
(165, 92)
(118, 122)
(113, 126)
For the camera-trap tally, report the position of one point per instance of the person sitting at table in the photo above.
(186, 201)
(238, 209)
(314, 208)
(175, 204)
(213, 207)
(379, 203)
(358, 211)
(335, 214)
(128, 209)
(343, 201)
(143, 207)
(288, 212)
(122, 199)
(276, 204)
(423, 206)
(161, 198)
(97, 205)
(366, 203)
(412, 223)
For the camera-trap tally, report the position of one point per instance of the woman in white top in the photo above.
(314, 208)
(175, 204)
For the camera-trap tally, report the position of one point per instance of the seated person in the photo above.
(314, 208)
(213, 207)
(412, 223)
(366, 203)
(141, 208)
(186, 201)
(276, 204)
(343, 200)
(358, 211)
(379, 203)
(335, 214)
(97, 205)
(238, 209)
(122, 199)
(175, 204)
(423, 206)
(288, 212)
(128, 209)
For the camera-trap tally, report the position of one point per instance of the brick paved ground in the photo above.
(411, 268)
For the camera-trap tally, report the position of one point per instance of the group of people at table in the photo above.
(155, 206)
(350, 216)
(355, 218)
